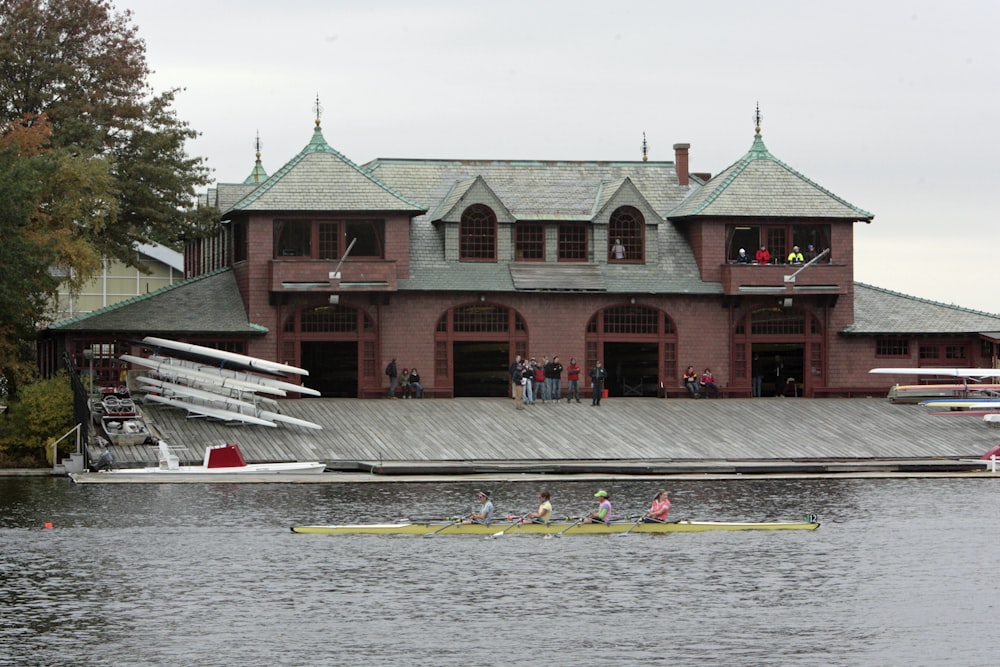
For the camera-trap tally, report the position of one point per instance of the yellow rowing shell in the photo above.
(563, 527)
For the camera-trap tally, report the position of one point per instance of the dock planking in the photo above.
(632, 429)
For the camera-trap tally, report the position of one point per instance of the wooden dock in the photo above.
(633, 435)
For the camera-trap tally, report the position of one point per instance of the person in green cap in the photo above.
(603, 512)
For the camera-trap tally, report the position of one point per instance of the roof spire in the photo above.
(318, 108)
(645, 148)
(757, 118)
(258, 175)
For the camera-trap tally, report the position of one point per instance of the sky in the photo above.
(891, 106)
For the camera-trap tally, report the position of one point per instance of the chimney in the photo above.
(681, 163)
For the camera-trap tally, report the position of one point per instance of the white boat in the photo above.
(222, 355)
(221, 461)
(244, 376)
(215, 405)
(203, 379)
(214, 413)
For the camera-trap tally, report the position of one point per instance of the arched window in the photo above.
(477, 235)
(626, 235)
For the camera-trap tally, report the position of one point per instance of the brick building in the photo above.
(456, 266)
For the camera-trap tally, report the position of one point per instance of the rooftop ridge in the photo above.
(318, 144)
(759, 151)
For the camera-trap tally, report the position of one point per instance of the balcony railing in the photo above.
(313, 275)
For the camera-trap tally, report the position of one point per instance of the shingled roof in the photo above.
(880, 311)
(546, 191)
(208, 304)
(321, 179)
(760, 185)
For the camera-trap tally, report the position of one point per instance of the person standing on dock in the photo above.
(393, 374)
(553, 379)
(573, 381)
(529, 382)
(513, 385)
(598, 375)
(517, 380)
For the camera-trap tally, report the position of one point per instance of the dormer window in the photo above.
(477, 235)
(626, 236)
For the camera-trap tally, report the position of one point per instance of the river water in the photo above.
(902, 572)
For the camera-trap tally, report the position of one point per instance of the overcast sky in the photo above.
(892, 106)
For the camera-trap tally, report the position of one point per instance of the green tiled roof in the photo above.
(210, 303)
(321, 179)
(880, 311)
(760, 185)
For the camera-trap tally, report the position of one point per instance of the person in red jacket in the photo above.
(763, 256)
(573, 381)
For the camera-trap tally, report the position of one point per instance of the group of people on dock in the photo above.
(532, 380)
(705, 386)
(408, 381)
(658, 511)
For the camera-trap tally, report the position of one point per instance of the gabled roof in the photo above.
(760, 185)
(623, 190)
(321, 179)
(209, 304)
(547, 191)
(451, 207)
(879, 311)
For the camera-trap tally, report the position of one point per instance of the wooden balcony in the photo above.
(312, 275)
(751, 279)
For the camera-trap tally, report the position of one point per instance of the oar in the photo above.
(519, 520)
(447, 525)
(578, 522)
(637, 522)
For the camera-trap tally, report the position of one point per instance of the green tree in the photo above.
(43, 195)
(42, 412)
(82, 64)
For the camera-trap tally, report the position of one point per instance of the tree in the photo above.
(83, 65)
(43, 412)
(43, 195)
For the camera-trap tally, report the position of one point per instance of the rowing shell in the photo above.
(223, 355)
(563, 527)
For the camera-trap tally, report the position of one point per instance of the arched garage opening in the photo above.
(638, 346)
(473, 346)
(336, 344)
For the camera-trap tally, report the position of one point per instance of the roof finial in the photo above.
(757, 118)
(257, 146)
(318, 108)
(645, 148)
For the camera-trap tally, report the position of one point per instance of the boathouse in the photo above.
(454, 267)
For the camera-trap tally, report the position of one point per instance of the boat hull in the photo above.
(560, 527)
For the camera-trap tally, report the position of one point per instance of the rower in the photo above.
(603, 513)
(659, 510)
(485, 514)
(544, 512)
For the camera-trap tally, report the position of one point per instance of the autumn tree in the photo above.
(83, 65)
(92, 160)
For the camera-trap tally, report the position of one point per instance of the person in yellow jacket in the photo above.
(795, 257)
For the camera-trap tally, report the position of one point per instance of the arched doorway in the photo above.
(778, 351)
(638, 346)
(336, 344)
(472, 348)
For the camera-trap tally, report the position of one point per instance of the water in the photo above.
(902, 572)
